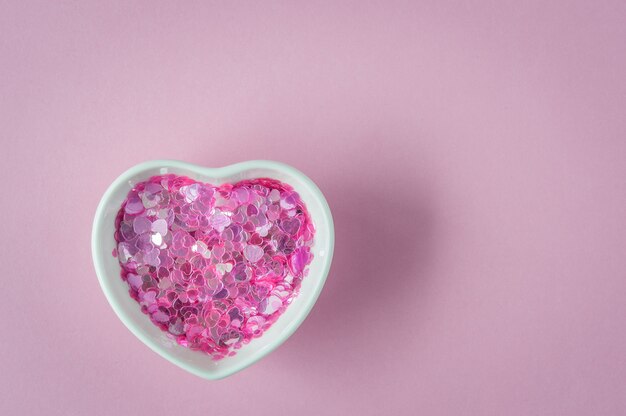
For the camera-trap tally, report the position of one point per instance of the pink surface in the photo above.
(482, 142)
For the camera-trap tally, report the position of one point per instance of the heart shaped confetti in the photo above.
(213, 266)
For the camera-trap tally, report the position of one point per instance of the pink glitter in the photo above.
(214, 267)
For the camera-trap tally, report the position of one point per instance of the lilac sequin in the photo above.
(214, 267)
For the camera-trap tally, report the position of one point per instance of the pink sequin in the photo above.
(214, 267)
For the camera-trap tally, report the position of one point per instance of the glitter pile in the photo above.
(214, 267)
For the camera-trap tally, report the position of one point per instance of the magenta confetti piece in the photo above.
(214, 267)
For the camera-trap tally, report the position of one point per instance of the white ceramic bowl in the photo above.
(128, 310)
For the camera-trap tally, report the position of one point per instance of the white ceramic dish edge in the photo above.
(139, 324)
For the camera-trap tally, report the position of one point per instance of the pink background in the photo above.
(473, 154)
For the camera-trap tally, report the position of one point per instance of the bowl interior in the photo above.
(128, 310)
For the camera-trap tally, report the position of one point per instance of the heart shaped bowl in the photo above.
(128, 310)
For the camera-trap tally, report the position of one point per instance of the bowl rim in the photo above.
(225, 172)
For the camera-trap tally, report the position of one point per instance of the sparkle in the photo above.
(213, 266)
